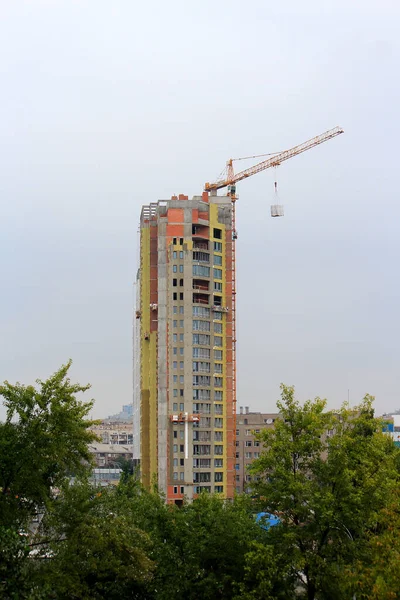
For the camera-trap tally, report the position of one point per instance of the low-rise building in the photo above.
(248, 425)
(392, 427)
(107, 455)
(116, 432)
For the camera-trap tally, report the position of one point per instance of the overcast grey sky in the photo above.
(106, 106)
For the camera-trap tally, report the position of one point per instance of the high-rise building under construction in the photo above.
(184, 390)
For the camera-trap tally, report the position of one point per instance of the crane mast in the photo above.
(230, 182)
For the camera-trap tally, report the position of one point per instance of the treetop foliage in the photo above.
(331, 478)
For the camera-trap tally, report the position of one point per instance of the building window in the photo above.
(175, 337)
(217, 273)
(248, 455)
(174, 241)
(219, 409)
(175, 475)
(218, 355)
(175, 364)
(174, 296)
(181, 310)
(182, 462)
(180, 268)
(174, 254)
(201, 311)
(181, 241)
(218, 368)
(201, 256)
(181, 435)
(218, 436)
(174, 323)
(218, 328)
(181, 351)
(256, 443)
(201, 339)
(218, 422)
(217, 340)
(181, 393)
(175, 434)
(201, 325)
(218, 381)
(256, 454)
(181, 448)
(218, 463)
(181, 323)
(217, 246)
(203, 380)
(181, 379)
(175, 392)
(175, 447)
(181, 282)
(182, 489)
(175, 350)
(181, 364)
(175, 489)
(218, 450)
(217, 286)
(181, 337)
(175, 268)
(237, 443)
(248, 431)
(248, 443)
(181, 254)
(181, 406)
(201, 270)
(182, 476)
(175, 378)
(181, 296)
(217, 233)
(202, 395)
(202, 367)
(201, 353)
(175, 310)
(175, 462)
(174, 282)
(217, 260)
(175, 406)
(218, 476)
(218, 395)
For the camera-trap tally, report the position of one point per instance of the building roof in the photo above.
(110, 448)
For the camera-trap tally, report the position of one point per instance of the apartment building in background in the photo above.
(114, 432)
(248, 425)
(184, 375)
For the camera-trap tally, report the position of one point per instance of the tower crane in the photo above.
(275, 160)
(230, 182)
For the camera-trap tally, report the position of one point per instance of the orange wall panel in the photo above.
(175, 215)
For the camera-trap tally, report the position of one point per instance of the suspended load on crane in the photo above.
(277, 210)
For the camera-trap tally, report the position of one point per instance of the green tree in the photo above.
(200, 548)
(326, 476)
(375, 575)
(45, 436)
(265, 575)
(93, 539)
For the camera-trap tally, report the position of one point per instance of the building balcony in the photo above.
(200, 244)
(201, 298)
(201, 285)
